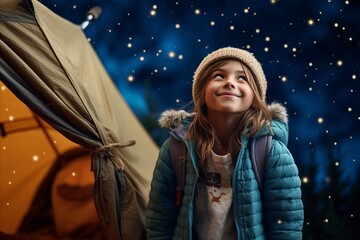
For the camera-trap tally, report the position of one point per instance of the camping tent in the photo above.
(50, 66)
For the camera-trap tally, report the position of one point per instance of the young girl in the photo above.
(221, 198)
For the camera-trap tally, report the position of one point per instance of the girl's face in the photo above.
(228, 90)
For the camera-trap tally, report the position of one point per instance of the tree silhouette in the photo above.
(352, 213)
(332, 205)
(310, 199)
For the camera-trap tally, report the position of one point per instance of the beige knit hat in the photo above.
(238, 54)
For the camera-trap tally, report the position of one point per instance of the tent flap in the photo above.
(54, 70)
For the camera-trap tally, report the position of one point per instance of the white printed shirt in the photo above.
(214, 217)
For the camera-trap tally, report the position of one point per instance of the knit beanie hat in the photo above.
(243, 56)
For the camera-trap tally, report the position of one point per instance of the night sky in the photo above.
(310, 52)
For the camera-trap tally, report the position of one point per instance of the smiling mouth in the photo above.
(228, 94)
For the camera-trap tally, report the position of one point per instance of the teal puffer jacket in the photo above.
(279, 215)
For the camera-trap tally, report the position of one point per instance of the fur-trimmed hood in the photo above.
(279, 127)
(173, 118)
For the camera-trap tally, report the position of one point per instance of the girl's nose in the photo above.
(230, 82)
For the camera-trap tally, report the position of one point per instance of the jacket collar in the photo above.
(173, 118)
(179, 120)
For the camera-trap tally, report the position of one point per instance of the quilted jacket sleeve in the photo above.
(282, 205)
(161, 216)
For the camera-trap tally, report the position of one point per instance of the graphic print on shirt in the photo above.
(214, 184)
(213, 179)
(216, 199)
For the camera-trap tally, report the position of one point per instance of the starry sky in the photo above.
(310, 52)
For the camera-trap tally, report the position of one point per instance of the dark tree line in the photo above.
(332, 210)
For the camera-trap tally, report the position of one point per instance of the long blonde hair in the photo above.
(202, 132)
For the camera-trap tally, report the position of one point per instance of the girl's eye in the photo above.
(218, 76)
(242, 78)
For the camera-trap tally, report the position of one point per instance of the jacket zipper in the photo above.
(236, 173)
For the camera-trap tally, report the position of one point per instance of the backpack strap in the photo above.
(177, 153)
(259, 152)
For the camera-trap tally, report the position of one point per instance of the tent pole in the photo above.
(47, 135)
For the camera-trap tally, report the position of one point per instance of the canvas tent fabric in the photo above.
(48, 63)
